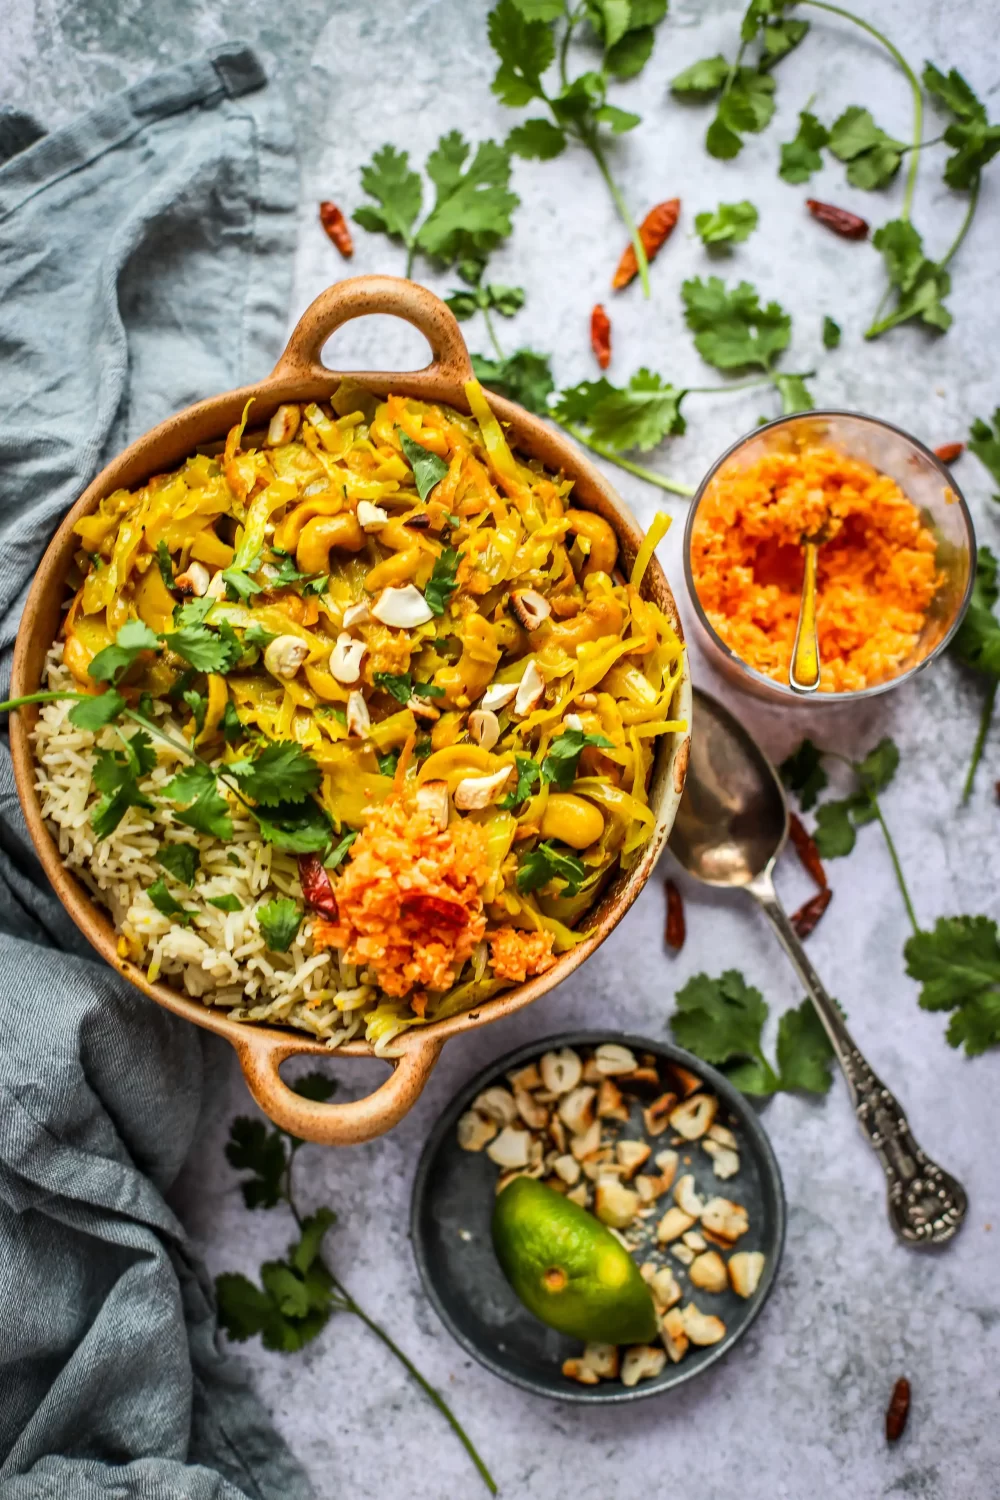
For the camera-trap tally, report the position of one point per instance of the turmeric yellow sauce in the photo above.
(445, 638)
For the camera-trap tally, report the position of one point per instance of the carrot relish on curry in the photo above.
(397, 709)
(877, 571)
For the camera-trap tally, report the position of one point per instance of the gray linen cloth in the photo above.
(145, 259)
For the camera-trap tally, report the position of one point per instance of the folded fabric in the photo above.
(145, 261)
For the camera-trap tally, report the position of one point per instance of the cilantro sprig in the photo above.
(547, 862)
(443, 580)
(722, 1021)
(729, 224)
(977, 646)
(473, 205)
(984, 442)
(563, 756)
(530, 36)
(298, 1294)
(733, 330)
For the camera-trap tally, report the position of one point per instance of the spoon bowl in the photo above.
(729, 830)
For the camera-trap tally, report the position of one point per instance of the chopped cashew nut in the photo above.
(498, 695)
(356, 614)
(725, 1219)
(423, 709)
(612, 1059)
(345, 659)
(529, 608)
(695, 1241)
(403, 609)
(675, 1340)
(568, 1168)
(525, 1078)
(724, 1136)
(561, 1072)
(745, 1268)
(498, 1104)
(602, 1359)
(708, 1272)
(587, 1142)
(475, 1131)
(576, 1109)
(580, 1371)
(285, 655)
(673, 1224)
(433, 798)
(529, 690)
(665, 1288)
(480, 791)
(667, 1163)
(195, 580)
(610, 1105)
(534, 1115)
(371, 517)
(484, 727)
(642, 1362)
(511, 1148)
(693, 1116)
(686, 1198)
(702, 1328)
(657, 1116)
(283, 426)
(614, 1204)
(684, 1253)
(632, 1155)
(648, 1187)
(725, 1163)
(359, 720)
(578, 1195)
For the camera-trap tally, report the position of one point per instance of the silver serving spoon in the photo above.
(730, 828)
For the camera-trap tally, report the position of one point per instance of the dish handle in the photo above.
(347, 1124)
(360, 296)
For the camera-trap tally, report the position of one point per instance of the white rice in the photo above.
(221, 958)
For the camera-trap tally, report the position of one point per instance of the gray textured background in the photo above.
(799, 1407)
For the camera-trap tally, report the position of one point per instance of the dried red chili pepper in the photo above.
(898, 1410)
(840, 220)
(948, 452)
(805, 848)
(804, 920)
(654, 231)
(600, 336)
(335, 224)
(317, 887)
(437, 911)
(676, 926)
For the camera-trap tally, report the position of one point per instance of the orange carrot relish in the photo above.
(876, 572)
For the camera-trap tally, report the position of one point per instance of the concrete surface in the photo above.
(798, 1408)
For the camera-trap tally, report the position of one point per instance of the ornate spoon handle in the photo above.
(926, 1204)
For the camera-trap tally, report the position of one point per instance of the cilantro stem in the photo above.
(490, 329)
(977, 750)
(594, 146)
(911, 77)
(349, 1304)
(876, 808)
(966, 222)
(673, 486)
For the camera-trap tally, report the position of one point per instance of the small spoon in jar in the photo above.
(730, 827)
(804, 668)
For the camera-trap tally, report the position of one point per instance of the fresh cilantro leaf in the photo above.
(804, 1053)
(780, 38)
(800, 157)
(208, 812)
(701, 79)
(252, 1147)
(239, 584)
(536, 140)
(180, 860)
(193, 611)
(732, 330)
(388, 762)
(232, 728)
(398, 685)
(748, 105)
(132, 639)
(617, 120)
(397, 191)
(524, 377)
(205, 649)
(145, 704)
(198, 704)
(279, 920)
(297, 828)
(975, 140)
(225, 903)
(473, 207)
(189, 783)
(443, 581)
(256, 635)
(115, 777)
(834, 833)
(638, 416)
(548, 862)
(165, 903)
(528, 777)
(977, 640)
(559, 765)
(831, 333)
(803, 773)
(729, 224)
(958, 965)
(164, 564)
(506, 300)
(526, 49)
(721, 1020)
(795, 394)
(318, 1087)
(873, 157)
(244, 1310)
(630, 55)
(879, 766)
(340, 851)
(281, 772)
(288, 574)
(428, 690)
(920, 284)
(428, 469)
(96, 712)
(984, 442)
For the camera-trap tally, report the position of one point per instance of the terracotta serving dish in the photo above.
(300, 375)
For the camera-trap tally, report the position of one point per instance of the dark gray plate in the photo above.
(453, 1198)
